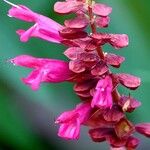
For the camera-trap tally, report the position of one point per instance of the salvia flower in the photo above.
(45, 70)
(143, 128)
(103, 109)
(103, 96)
(71, 121)
(44, 27)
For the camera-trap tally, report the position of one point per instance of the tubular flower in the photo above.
(103, 109)
(44, 27)
(102, 96)
(45, 70)
(71, 121)
(143, 128)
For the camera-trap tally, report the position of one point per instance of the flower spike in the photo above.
(102, 109)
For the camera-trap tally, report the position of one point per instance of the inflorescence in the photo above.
(103, 109)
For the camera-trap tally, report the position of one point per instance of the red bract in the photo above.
(132, 142)
(116, 40)
(68, 7)
(77, 23)
(114, 114)
(81, 60)
(73, 52)
(124, 128)
(119, 40)
(69, 33)
(97, 120)
(77, 66)
(129, 81)
(83, 89)
(80, 77)
(102, 22)
(116, 142)
(101, 9)
(114, 60)
(84, 43)
(99, 69)
(84, 86)
(100, 134)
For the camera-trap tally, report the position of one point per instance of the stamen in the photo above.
(11, 61)
(9, 15)
(14, 5)
(104, 53)
(126, 105)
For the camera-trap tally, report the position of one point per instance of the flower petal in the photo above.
(143, 128)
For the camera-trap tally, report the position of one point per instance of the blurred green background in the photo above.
(27, 117)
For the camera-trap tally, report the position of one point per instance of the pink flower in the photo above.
(70, 121)
(45, 70)
(102, 96)
(143, 128)
(44, 27)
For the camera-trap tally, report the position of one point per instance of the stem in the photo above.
(116, 95)
(93, 28)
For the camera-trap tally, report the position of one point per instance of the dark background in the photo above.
(27, 117)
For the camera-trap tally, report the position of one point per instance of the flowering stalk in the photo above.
(103, 109)
(93, 27)
(115, 93)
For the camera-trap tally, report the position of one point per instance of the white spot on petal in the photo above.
(102, 89)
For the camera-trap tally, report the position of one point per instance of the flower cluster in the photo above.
(102, 108)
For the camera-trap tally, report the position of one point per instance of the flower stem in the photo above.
(116, 95)
(93, 28)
